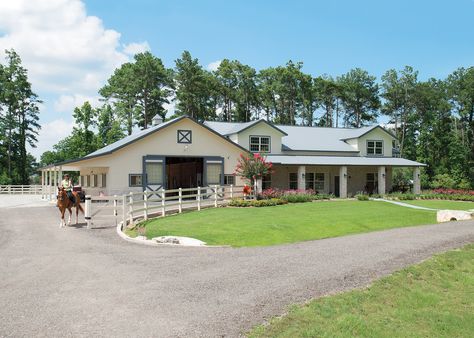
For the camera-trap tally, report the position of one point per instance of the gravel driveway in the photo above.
(78, 282)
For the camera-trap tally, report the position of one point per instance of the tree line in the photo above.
(19, 115)
(433, 119)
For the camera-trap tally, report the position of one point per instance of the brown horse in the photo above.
(65, 203)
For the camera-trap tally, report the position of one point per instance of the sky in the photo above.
(71, 47)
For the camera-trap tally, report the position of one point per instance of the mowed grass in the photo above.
(442, 204)
(290, 223)
(432, 299)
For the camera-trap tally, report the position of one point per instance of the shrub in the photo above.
(443, 181)
(240, 203)
(362, 197)
(297, 198)
(271, 193)
(401, 196)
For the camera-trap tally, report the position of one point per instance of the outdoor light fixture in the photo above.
(345, 175)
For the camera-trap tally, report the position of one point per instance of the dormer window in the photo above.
(260, 144)
(375, 148)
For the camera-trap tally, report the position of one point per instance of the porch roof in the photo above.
(343, 160)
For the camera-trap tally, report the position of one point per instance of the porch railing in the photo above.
(137, 206)
(21, 189)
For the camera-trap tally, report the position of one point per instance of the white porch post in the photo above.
(381, 180)
(60, 174)
(42, 185)
(416, 181)
(50, 183)
(301, 177)
(343, 182)
(259, 186)
(55, 173)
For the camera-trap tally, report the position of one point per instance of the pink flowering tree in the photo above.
(253, 167)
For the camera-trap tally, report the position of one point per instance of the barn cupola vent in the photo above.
(156, 120)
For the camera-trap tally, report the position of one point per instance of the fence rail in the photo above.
(21, 189)
(135, 206)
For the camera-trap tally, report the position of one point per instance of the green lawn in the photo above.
(287, 223)
(442, 204)
(432, 299)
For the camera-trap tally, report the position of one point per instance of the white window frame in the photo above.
(316, 179)
(375, 147)
(226, 177)
(258, 145)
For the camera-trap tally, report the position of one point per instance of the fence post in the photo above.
(231, 191)
(124, 215)
(215, 196)
(199, 198)
(163, 198)
(130, 209)
(180, 200)
(115, 209)
(145, 205)
(88, 212)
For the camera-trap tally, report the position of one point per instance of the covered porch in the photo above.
(93, 180)
(342, 176)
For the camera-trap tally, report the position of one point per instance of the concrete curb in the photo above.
(149, 242)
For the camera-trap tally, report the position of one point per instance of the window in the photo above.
(293, 181)
(229, 179)
(266, 181)
(88, 180)
(214, 171)
(371, 183)
(375, 148)
(103, 182)
(94, 180)
(319, 182)
(184, 136)
(309, 181)
(81, 182)
(260, 144)
(135, 180)
(154, 172)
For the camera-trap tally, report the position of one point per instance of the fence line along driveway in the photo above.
(79, 282)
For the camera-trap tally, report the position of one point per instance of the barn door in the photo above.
(153, 174)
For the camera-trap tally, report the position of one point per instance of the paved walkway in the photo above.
(405, 204)
(78, 282)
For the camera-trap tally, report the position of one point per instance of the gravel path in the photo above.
(78, 282)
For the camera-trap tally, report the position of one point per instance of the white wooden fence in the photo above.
(137, 206)
(21, 189)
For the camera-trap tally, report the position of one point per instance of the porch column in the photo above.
(60, 174)
(343, 182)
(50, 178)
(381, 180)
(42, 184)
(55, 173)
(416, 181)
(301, 177)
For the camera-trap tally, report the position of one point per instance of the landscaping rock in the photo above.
(453, 215)
(176, 240)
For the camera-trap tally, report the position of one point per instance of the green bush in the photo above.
(297, 198)
(240, 203)
(443, 181)
(322, 196)
(362, 197)
(401, 196)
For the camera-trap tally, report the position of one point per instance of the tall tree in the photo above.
(398, 91)
(327, 91)
(19, 124)
(360, 100)
(109, 129)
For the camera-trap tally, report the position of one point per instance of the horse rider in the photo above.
(66, 183)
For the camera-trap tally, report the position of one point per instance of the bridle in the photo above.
(61, 194)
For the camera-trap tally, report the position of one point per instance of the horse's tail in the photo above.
(79, 206)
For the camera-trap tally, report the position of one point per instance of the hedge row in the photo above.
(256, 203)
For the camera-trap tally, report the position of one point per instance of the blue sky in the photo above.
(330, 37)
(72, 46)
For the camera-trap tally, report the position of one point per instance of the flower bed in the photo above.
(293, 196)
(240, 203)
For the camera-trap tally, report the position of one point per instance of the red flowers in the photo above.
(453, 191)
(253, 167)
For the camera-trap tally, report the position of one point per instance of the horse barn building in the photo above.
(183, 153)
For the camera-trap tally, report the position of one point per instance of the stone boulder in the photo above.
(177, 240)
(453, 215)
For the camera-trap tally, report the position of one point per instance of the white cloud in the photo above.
(50, 134)
(214, 65)
(67, 103)
(69, 54)
(135, 48)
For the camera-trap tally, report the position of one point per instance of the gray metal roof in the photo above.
(229, 128)
(343, 160)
